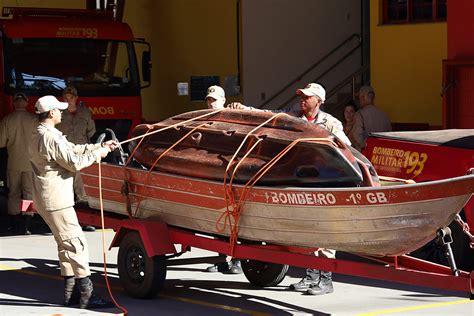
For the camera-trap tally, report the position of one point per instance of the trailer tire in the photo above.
(141, 276)
(263, 274)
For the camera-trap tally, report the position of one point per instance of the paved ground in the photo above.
(30, 285)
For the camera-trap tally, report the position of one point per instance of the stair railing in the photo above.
(312, 67)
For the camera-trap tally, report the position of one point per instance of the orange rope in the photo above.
(109, 289)
(228, 195)
(142, 194)
(148, 133)
(238, 206)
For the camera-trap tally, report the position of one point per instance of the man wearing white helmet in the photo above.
(215, 97)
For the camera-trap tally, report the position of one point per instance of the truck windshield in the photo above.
(95, 67)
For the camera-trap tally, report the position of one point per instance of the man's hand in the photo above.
(111, 145)
(237, 106)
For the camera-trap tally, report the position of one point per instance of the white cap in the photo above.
(313, 89)
(48, 103)
(215, 92)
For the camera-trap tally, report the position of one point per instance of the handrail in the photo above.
(351, 79)
(345, 81)
(299, 77)
(343, 58)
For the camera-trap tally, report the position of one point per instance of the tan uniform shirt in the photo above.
(330, 123)
(54, 161)
(367, 120)
(78, 127)
(15, 133)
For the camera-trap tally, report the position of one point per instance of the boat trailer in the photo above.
(144, 246)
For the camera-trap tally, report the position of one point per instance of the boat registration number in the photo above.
(294, 198)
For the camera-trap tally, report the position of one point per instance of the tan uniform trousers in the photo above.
(79, 188)
(20, 184)
(73, 252)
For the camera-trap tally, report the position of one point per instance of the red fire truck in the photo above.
(43, 50)
(425, 156)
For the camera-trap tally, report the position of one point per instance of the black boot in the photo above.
(71, 292)
(235, 266)
(219, 267)
(89, 299)
(311, 279)
(24, 225)
(324, 286)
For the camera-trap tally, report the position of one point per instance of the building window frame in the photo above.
(413, 11)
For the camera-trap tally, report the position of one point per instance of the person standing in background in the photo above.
(369, 118)
(78, 127)
(348, 122)
(15, 132)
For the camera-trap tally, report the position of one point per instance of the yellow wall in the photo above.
(406, 68)
(189, 37)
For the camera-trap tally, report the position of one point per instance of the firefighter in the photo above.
(15, 133)
(215, 100)
(215, 97)
(55, 161)
(78, 127)
(369, 118)
(316, 282)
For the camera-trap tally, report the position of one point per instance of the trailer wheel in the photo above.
(263, 274)
(140, 275)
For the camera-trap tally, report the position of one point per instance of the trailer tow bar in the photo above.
(445, 239)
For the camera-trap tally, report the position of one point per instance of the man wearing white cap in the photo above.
(316, 282)
(215, 98)
(15, 133)
(311, 99)
(54, 161)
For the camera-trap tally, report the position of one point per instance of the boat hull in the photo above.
(380, 221)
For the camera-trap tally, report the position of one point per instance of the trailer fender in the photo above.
(154, 235)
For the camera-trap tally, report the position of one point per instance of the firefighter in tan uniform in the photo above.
(316, 282)
(15, 133)
(369, 118)
(55, 161)
(78, 127)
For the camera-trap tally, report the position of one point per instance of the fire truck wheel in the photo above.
(140, 275)
(263, 274)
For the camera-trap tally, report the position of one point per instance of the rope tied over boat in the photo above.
(150, 131)
(234, 203)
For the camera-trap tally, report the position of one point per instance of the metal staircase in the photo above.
(337, 94)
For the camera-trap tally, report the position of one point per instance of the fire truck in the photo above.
(44, 50)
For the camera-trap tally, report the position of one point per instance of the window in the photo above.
(413, 11)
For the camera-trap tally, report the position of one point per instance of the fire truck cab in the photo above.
(43, 50)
